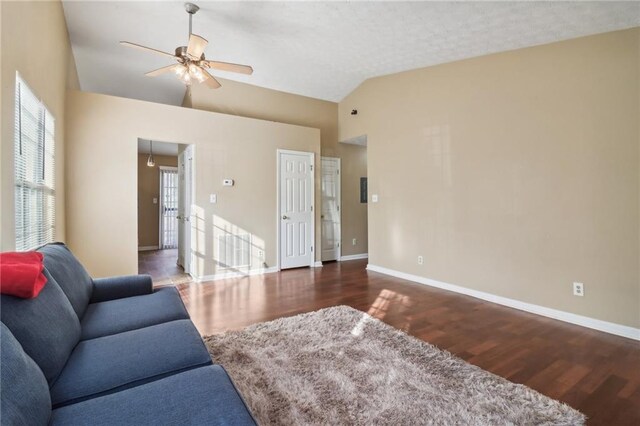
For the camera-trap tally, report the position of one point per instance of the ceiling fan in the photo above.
(192, 64)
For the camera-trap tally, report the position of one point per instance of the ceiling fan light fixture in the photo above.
(186, 78)
(196, 72)
(188, 73)
(180, 70)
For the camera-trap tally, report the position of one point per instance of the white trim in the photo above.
(596, 324)
(235, 274)
(312, 158)
(170, 168)
(354, 257)
(318, 264)
(148, 248)
(190, 189)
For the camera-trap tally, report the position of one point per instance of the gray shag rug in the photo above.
(341, 366)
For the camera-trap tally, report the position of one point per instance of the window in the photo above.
(34, 161)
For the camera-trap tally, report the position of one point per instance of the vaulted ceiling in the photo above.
(318, 49)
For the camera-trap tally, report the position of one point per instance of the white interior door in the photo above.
(185, 194)
(296, 193)
(330, 216)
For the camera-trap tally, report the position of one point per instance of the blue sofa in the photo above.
(107, 352)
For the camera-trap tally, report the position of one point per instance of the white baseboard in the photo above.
(354, 257)
(317, 264)
(148, 248)
(596, 324)
(235, 274)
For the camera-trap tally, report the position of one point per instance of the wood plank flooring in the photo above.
(597, 373)
(161, 265)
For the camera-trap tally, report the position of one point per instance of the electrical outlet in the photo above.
(260, 254)
(578, 289)
(420, 260)
(354, 242)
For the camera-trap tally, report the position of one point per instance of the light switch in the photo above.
(227, 182)
(374, 198)
(155, 200)
(213, 198)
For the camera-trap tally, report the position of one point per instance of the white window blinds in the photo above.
(34, 160)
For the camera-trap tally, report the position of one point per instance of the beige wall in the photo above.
(102, 195)
(34, 42)
(256, 102)
(514, 174)
(148, 189)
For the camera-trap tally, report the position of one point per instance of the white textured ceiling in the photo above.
(318, 49)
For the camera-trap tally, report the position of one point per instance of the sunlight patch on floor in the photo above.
(386, 300)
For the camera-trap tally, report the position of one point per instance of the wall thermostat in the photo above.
(227, 182)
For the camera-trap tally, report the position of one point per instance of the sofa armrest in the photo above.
(118, 287)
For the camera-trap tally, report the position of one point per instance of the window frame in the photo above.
(34, 170)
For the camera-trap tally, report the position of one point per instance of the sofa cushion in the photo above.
(23, 388)
(70, 275)
(131, 313)
(204, 396)
(46, 326)
(112, 363)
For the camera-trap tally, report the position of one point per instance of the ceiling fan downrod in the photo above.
(191, 10)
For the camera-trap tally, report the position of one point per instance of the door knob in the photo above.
(285, 217)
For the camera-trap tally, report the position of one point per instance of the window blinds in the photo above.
(34, 165)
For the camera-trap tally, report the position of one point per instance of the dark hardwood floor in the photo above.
(162, 266)
(594, 372)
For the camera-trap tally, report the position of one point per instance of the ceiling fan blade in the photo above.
(226, 66)
(163, 70)
(210, 80)
(150, 49)
(196, 46)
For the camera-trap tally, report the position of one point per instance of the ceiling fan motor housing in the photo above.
(181, 52)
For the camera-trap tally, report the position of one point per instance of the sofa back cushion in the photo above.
(70, 275)
(24, 391)
(46, 326)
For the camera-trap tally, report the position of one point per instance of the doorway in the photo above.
(160, 191)
(352, 233)
(330, 215)
(296, 224)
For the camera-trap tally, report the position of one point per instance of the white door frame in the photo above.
(311, 155)
(190, 184)
(160, 221)
(339, 205)
(189, 191)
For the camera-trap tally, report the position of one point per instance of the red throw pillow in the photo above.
(21, 274)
